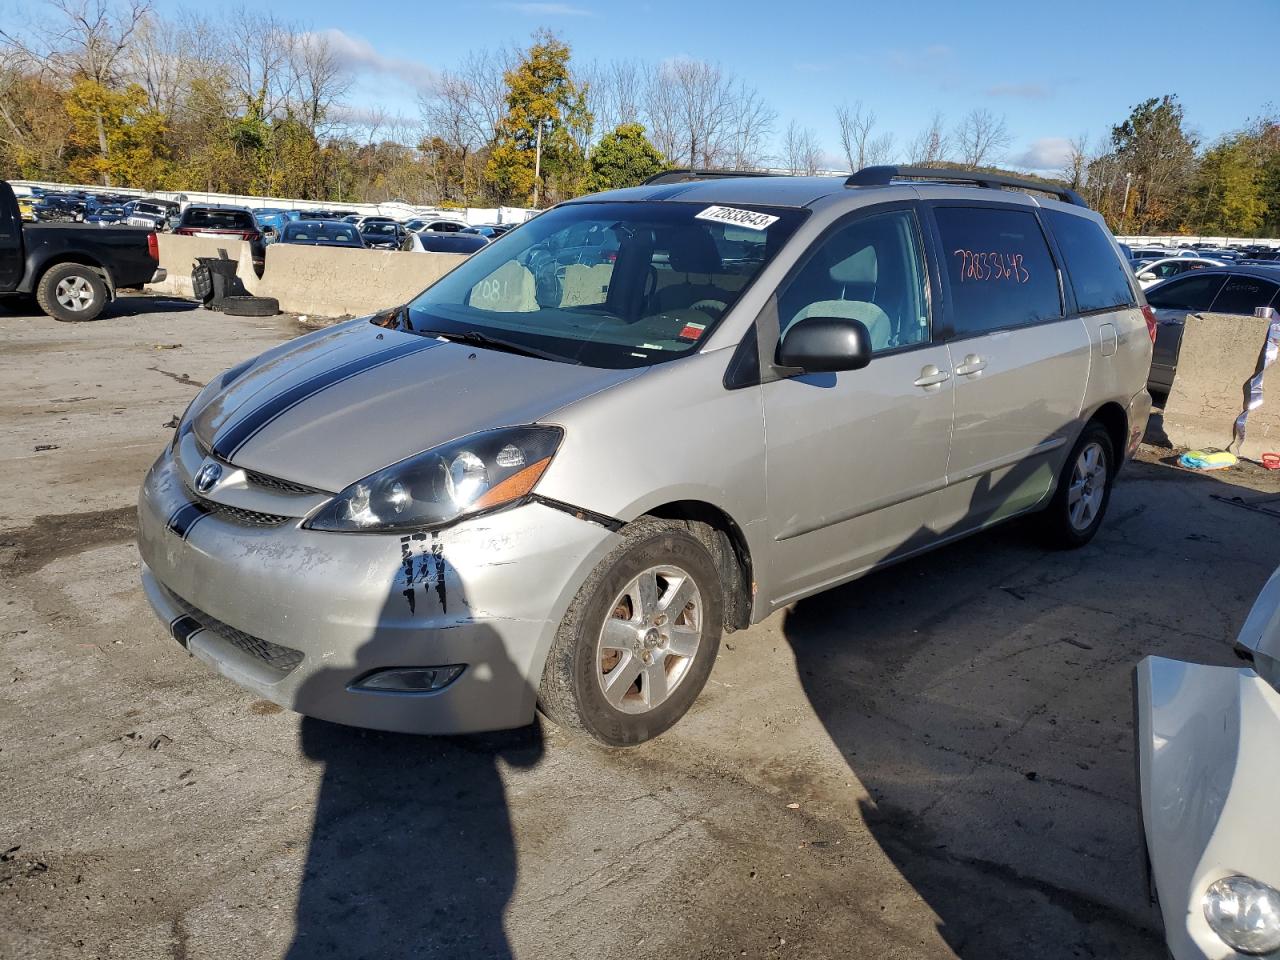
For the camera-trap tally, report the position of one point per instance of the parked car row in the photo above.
(372, 232)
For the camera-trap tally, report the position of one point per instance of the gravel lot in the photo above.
(934, 761)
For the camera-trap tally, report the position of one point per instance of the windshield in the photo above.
(609, 284)
(384, 229)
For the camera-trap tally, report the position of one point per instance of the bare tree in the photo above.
(259, 53)
(753, 121)
(802, 153)
(981, 138)
(320, 80)
(931, 145)
(1076, 169)
(615, 92)
(86, 40)
(861, 148)
(468, 101)
(701, 116)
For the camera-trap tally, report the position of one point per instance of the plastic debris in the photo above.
(1207, 460)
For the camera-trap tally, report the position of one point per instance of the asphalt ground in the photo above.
(933, 761)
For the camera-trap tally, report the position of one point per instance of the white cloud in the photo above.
(360, 57)
(1025, 91)
(548, 9)
(1046, 153)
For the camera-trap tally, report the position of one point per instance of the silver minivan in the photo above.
(641, 419)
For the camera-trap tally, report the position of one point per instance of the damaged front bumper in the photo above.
(298, 616)
(1208, 742)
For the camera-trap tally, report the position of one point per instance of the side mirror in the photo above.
(1147, 275)
(826, 345)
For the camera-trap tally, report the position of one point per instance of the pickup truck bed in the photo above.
(72, 269)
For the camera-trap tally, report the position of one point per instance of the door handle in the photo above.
(972, 364)
(931, 377)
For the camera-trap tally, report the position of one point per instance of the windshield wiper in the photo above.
(474, 338)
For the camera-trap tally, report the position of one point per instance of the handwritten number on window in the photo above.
(978, 265)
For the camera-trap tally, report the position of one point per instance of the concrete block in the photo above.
(338, 282)
(1220, 354)
(178, 255)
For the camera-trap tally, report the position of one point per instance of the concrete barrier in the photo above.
(177, 254)
(1219, 355)
(337, 282)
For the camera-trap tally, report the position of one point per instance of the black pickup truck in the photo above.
(71, 269)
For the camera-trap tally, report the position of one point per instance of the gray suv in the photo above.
(643, 418)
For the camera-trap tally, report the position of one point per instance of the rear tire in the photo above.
(71, 292)
(638, 642)
(1084, 490)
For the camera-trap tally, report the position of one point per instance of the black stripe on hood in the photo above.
(232, 437)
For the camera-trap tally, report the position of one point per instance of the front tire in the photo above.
(638, 642)
(1084, 490)
(71, 292)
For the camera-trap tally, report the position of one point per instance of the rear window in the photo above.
(1244, 294)
(218, 219)
(321, 232)
(1098, 277)
(1186, 293)
(999, 267)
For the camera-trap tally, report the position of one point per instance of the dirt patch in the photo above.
(28, 549)
(264, 708)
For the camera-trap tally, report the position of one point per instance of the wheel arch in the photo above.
(37, 269)
(727, 545)
(1115, 421)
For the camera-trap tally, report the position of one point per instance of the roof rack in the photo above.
(682, 176)
(883, 176)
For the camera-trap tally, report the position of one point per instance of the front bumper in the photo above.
(1208, 741)
(295, 616)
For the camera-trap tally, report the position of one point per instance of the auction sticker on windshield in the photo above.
(742, 218)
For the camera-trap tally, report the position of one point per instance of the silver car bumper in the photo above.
(297, 616)
(1209, 771)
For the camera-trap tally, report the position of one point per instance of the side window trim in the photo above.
(911, 207)
(950, 334)
(762, 338)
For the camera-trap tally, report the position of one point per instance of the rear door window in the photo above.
(1244, 294)
(1098, 277)
(1186, 293)
(999, 269)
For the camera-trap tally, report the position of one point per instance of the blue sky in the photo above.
(1053, 70)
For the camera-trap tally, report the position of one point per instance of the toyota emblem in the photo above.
(207, 477)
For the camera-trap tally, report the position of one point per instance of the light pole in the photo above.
(537, 164)
(1124, 207)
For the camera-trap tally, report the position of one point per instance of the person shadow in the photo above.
(411, 851)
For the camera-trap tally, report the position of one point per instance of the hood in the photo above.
(331, 409)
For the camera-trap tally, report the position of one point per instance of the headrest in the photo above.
(859, 267)
(693, 251)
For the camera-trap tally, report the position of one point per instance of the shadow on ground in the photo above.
(411, 851)
(964, 688)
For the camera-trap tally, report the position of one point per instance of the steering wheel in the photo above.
(706, 306)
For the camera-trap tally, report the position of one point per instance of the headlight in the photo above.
(1245, 913)
(477, 473)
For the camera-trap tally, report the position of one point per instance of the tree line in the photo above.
(111, 92)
